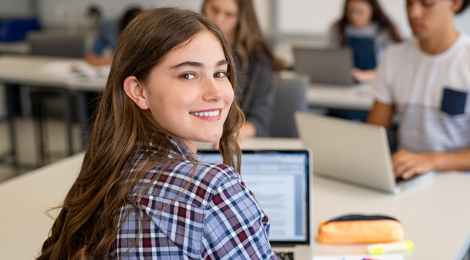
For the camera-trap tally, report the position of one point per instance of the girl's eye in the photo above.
(427, 4)
(188, 76)
(220, 75)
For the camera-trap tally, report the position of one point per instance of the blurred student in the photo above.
(426, 81)
(367, 30)
(254, 60)
(108, 36)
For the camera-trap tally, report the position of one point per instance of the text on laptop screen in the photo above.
(279, 183)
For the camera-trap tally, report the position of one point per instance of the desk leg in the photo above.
(83, 116)
(39, 108)
(11, 124)
(68, 119)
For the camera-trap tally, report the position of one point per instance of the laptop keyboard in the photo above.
(285, 255)
(400, 179)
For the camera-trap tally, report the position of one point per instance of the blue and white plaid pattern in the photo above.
(215, 217)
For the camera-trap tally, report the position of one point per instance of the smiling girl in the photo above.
(141, 193)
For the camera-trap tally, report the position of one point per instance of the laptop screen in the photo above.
(279, 180)
(325, 65)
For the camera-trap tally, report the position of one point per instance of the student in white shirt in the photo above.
(426, 81)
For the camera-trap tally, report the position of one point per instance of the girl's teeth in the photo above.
(212, 113)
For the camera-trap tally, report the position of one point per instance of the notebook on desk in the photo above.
(281, 183)
(330, 66)
(352, 152)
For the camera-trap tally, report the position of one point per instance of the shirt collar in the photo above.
(182, 151)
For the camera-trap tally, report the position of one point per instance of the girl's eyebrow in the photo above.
(188, 63)
(197, 64)
(222, 62)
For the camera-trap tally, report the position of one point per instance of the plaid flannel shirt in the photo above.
(216, 217)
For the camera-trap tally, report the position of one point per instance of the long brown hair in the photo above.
(128, 16)
(249, 39)
(465, 4)
(86, 226)
(378, 16)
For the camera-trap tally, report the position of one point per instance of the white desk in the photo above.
(262, 143)
(356, 97)
(30, 70)
(24, 201)
(17, 47)
(435, 215)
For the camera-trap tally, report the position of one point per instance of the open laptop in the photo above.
(281, 183)
(330, 66)
(353, 152)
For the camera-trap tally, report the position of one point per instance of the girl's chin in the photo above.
(210, 139)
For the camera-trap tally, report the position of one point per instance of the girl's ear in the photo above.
(135, 91)
(457, 5)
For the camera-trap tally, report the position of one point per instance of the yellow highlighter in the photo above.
(377, 249)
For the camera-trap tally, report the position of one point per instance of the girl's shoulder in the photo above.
(465, 39)
(185, 180)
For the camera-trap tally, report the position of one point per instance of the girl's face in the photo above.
(224, 13)
(359, 13)
(189, 93)
(426, 17)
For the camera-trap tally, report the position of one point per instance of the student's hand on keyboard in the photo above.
(406, 164)
(285, 255)
(363, 76)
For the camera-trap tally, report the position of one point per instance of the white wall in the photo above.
(59, 13)
(316, 16)
(462, 21)
(15, 8)
(295, 16)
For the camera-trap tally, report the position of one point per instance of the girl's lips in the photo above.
(416, 26)
(207, 110)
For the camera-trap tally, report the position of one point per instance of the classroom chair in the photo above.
(290, 97)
